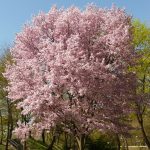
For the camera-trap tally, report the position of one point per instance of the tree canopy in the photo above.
(71, 69)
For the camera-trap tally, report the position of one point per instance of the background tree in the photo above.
(142, 46)
(5, 104)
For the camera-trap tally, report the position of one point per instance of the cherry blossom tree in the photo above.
(71, 69)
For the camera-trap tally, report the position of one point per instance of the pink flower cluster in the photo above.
(71, 69)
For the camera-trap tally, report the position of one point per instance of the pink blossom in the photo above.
(71, 68)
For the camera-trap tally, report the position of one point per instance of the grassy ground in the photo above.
(34, 145)
(138, 148)
(1, 147)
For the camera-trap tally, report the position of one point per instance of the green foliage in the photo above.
(98, 141)
(141, 35)
(141, 42)
(4, 60)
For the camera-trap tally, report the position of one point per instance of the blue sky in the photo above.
(14, 13)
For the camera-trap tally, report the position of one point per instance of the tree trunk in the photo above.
(6, 147)
(66, 141)
(9, 123)
(52, 143)
(25, 145)
(145, 136)
(140, 113)
(10, 118)
(81, 142)
(43, 136)
(140, 121)
(126, 143)
(1, 119)
(118, 142)
(30, 135)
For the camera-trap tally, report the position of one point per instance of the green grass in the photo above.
(35, 145)
(138, 148)
(2, 147)
(38, 145)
